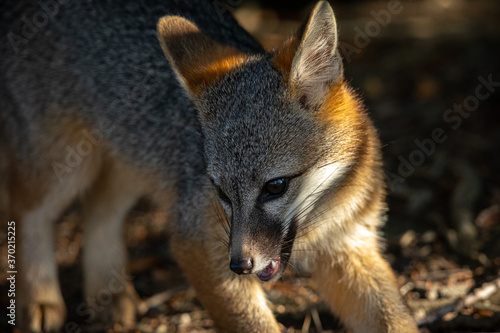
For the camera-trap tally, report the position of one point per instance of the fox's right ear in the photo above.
(197, 60)
(310, 61)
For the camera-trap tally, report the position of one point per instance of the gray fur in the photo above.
(89, 59)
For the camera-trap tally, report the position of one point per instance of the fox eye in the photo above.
(276, 187)
(223, 196)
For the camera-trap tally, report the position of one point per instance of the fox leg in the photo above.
(235, 303)
(40, 299)
(361, 288)
(37, 205)
(108, 291)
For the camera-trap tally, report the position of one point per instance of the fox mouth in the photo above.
(271, 270)
(278, 264)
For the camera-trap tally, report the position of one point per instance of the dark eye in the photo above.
(276, 187)
(223, 195)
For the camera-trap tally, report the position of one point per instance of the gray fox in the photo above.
(271, 151)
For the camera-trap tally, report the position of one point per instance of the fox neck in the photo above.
(349, 183)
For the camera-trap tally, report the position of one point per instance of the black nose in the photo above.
(243, 266)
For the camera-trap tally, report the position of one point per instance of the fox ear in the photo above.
(197, 60)
(310, 61)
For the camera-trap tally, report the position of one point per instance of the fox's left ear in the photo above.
(198, 60)
(310, 61)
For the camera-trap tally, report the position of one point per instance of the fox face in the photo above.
(265, 155)
(258, 146)
(281, 132)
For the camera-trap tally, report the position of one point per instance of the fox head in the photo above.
(282, 131)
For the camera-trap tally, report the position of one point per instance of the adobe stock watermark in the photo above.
(32, 24)
(453, 117)
(91, 139)
(102, 299)
(372, 29)
(12, 271)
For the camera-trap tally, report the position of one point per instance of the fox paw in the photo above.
(121, 310)
(42, 317)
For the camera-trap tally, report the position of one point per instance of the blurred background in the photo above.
(429, 72)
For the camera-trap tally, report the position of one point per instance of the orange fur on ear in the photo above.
(283, 56)
(310, 62)
(197, 59)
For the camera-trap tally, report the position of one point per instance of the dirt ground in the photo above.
(421, 63)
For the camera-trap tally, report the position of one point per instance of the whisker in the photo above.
(312, 222)
(315, 192)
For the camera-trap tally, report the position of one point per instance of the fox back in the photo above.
(103, 62)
